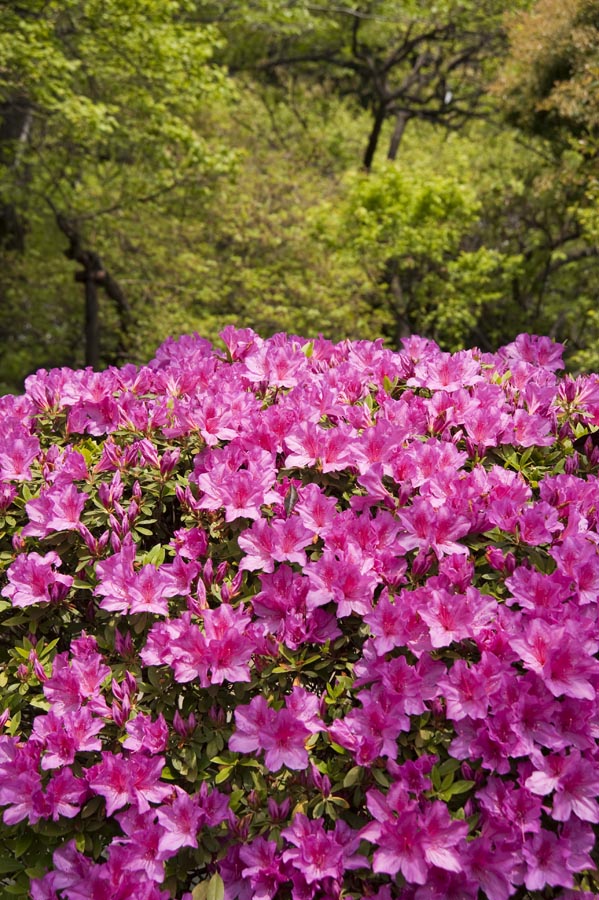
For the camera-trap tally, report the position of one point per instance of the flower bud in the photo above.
(22, 672)
(123, 644)
(572, 464)
(168, 461)
(208, 573)
(422, 563)
(39, 671)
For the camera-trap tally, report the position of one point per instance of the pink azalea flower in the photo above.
(545, 858)
(64, 736)
(122, 780)
(290, 538)
(264, 869)
(465, 692)
(426, 527)
(115, 574)
(146, 735)
(320, 854)
(139, 850)
(180, 820)
(33, 579)
(258, 543)
(250, 723)
(57, 509)
(284, 741)
(65, 794)
(386, 624)
(315, 509)
(17, 453)
(397, 839)
(149, 590)
(306, 443)
(538, 351)
(448, 616)
(446, 371)
(575, 781)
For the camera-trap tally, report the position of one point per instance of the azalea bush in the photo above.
(302, 621)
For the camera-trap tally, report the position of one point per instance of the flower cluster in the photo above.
(293, 620)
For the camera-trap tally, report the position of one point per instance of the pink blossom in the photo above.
(320, 854)
(134, 779)
(146, 735)
(264, 869)
(17, 453)
(57, 509)
(545, 858)
(33, 579)
(575, 781)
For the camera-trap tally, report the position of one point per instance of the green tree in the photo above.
(549, 87)
(401, 61)
(102, 107)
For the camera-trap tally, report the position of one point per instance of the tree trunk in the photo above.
(398, 132)
(92, 275)
(92, 317)
(15, 128)
(399, 305)
(373, 140)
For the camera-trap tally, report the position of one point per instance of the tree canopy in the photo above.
(363, 169)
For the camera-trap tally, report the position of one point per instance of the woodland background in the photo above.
(363, 170)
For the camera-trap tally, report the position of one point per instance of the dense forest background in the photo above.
(359, 169)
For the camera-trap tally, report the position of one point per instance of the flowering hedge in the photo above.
(301, 620)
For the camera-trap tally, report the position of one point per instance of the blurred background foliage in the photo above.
(357, 169)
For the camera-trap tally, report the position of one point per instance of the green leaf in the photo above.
(353, 777)
(9, 865)
(155, 556)
(216, 888)
(23, 844)
(460, 787)
(223, 775)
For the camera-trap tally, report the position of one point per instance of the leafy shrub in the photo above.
(301, 620)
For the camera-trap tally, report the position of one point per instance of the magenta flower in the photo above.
(284, 742)
(115, 574)
(33, 579)
(258, 544)
(397, 840)
(279, 733)
(545, 858)
(139, 850)
(264, 868)
(64, 736)
(180, 821)
(149, 590)
(575, 781)
(147, 735)
(17, 453)
(250, 723)
(465, 692)
(57, 509)
(133, 779)
(65, 794)
(428, 528)
(320, 854)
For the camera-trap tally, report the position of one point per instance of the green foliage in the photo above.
(102, 106)
(208, 155)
